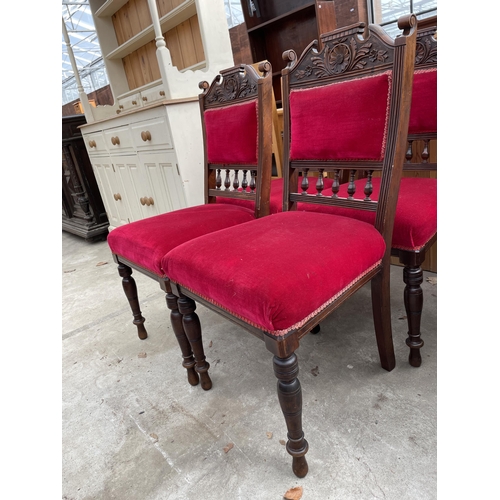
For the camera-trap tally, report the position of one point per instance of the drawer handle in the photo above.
(151, 201)
(92, 144)
(146, 135)
(143, 201)
(134, 102)
(120, 106)
(115, 141)
(162, 92)
(144, 98)
(117, 196)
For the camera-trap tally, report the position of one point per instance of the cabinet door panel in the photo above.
(165, 184)
(133, 185)
(112, 194)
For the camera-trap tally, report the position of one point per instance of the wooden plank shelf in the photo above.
(169, 21)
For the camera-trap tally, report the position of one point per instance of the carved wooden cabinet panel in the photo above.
(83, 210)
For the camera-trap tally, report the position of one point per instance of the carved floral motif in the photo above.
(344, 55)
(232, 87)
(426, 51)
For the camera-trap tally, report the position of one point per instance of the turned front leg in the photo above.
(187, 353)
(192, 327)
(130, 289)
(290, 398)
(414, 300)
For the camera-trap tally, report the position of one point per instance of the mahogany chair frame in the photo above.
(374, 54)
(425, 58)
(232, 86)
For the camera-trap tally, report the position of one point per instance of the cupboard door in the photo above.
(162, 177)
(129, 172)
(111, 191)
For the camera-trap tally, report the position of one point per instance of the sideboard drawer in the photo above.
(152, 134)
(95, 143)
(119, 140)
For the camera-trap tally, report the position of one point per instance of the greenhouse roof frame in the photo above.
(79, 23)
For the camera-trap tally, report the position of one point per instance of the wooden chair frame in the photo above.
(400, 57)
(232, 86)
(426, 57)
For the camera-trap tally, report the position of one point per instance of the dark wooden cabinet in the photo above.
(83, 211)
(279, 25)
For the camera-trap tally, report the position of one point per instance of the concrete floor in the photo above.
(134, 429)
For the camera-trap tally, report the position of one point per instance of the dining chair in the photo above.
(415, 222)
(346, 106)
(236, 122)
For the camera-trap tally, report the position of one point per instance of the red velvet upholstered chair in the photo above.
(346, 106)
(415, 223)
(236, 120)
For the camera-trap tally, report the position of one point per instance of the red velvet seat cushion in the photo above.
(341, 121)
(231, 133)
(276, 196)
(146, 241)
(416, 212)
(277, 271)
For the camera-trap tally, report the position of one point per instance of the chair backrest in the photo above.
(423, 114)
(347, 107)
(236, 119)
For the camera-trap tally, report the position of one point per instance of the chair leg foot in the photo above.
(380, 287)
(192, 327)
(299, 466)
(187, 354)
(130, 289)
(290, 398)
(413, 299)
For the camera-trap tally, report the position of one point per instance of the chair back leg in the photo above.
(381, 297)
(414, 303)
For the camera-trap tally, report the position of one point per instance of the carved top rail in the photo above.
(231, 85)
(344, 52)
(426, 48)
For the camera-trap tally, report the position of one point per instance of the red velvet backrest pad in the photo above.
(231, 133)
(341, 121)
(423, 114)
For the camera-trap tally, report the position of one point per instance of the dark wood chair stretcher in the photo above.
(278, 277)
(236, 120)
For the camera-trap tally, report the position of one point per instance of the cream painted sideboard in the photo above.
(146, 149)
(148, 161)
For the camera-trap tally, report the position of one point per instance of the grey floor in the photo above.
(133, 428)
